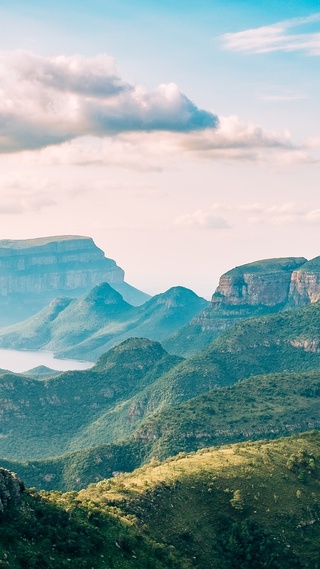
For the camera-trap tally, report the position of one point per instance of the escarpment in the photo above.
(258, 288)
(35, 271)
(251, 290)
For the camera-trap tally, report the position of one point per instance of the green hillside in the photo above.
(248, 291)
(87, 327)
(41, 418)
(260, 407)
(138, 378)
(250, 505)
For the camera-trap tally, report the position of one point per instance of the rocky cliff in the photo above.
(34, 271)
(305, 283)
(64, 263)
(254, 289)
(261, 285)
(250, 290)
(11, 489)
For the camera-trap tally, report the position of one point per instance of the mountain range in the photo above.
(35, 271)
(133, 394)
(242, 368)
(87, 327)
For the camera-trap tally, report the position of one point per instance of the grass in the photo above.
(250, 505)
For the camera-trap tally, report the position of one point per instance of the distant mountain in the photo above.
(87, 327)
(263, 287)
(138, 378)
(35, 271)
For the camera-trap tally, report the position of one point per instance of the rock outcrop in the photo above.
(34, 271)
(11, 489)
(250, 290)
(254, 289)
(305, 283)
(263, 283)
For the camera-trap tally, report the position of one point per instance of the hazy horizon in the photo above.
(182, 137)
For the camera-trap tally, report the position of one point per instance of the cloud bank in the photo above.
(232, 140)
(78, 110)
(50, 100)
(226, 216)
(276, 37)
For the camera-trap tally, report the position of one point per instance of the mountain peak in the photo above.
(103, 295)
(139, 352)
(175, 297)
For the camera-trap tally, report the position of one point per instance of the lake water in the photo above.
(19, 361)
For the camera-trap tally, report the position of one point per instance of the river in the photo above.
(20, 361)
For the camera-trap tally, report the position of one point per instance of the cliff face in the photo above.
(11, 488)
(263, 287)
(264, 283)
(305, 283)
(34, 271)
(255, 289)
(54, 263)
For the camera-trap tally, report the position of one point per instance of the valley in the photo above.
(192, 421)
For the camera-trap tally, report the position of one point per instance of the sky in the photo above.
(183, 137)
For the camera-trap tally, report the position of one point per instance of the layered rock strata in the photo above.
(34, 271)
(305, 283)
(254, 289)
(264, 283)
(64, 263)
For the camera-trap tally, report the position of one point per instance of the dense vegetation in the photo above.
(261, 407)
(136, 379)
(246, 506)
(42, 418)
(250, 505)
(87, 327)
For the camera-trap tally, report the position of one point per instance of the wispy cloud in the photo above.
(235, 139)
(276, 37)
(19, 195)
(227, 215)
(50, 100)
(281, 214)
(202, 220)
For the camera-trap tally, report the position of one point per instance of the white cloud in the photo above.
(233, 140)
(276, 37)
(50, 100)
(280, 214)
(77, 110)
(239, 140)
(202, 219)
(287, 214)
(226, 216)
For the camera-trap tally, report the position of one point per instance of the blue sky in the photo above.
(183, 137)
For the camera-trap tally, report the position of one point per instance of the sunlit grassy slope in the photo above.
(260, 407)
(248, 505)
